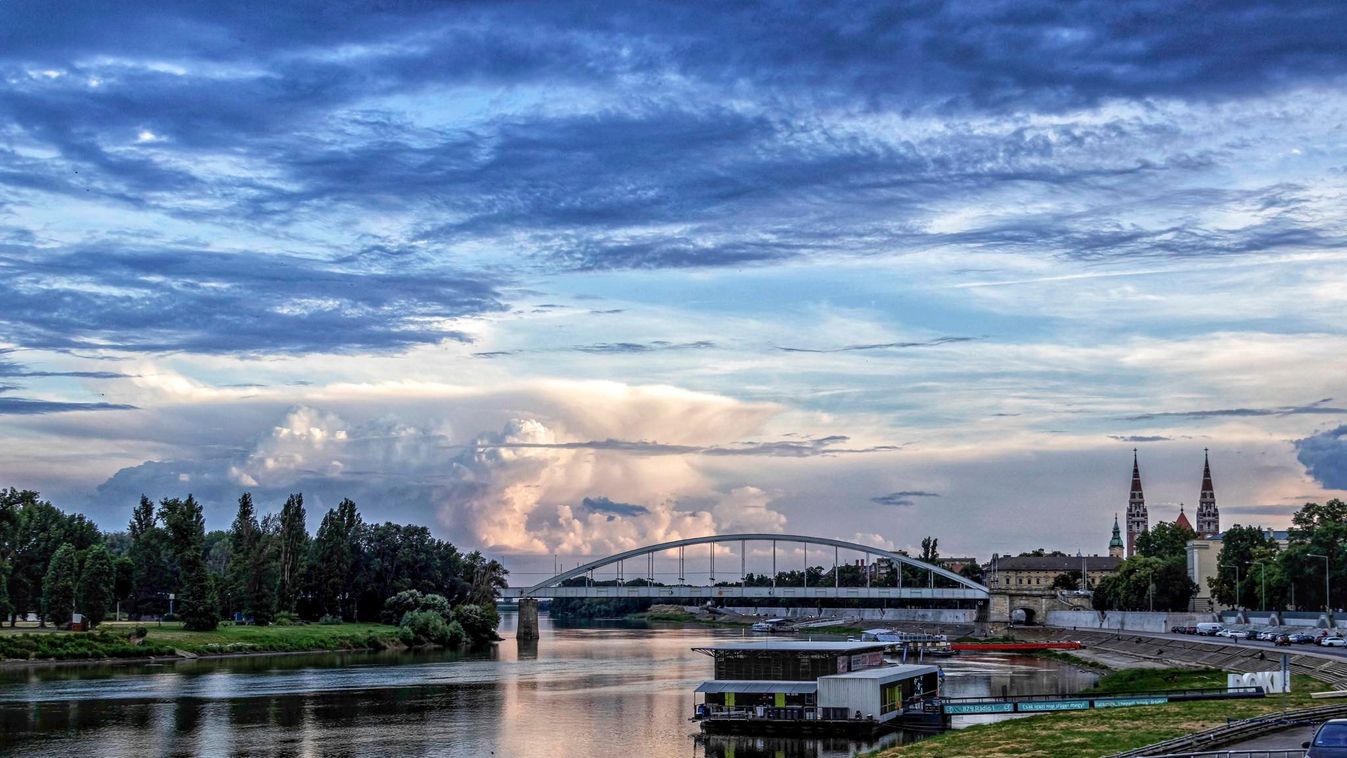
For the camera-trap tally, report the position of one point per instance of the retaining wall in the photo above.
(1136, 621)
(911, 615)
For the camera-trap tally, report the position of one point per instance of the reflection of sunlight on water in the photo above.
(585, 692)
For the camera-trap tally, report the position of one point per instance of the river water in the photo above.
(605, 691)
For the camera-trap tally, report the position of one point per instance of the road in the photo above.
(1335, 653)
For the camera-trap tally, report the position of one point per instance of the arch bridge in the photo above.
(619, 584)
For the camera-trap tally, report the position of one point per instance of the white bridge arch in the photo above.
(964, 589)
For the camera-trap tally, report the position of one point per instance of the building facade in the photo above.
(1035, 572)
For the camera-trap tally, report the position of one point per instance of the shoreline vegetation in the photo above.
(118, 642)
(264, 585)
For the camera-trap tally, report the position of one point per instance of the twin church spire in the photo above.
(1138, 521)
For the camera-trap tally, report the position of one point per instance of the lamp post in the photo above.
(1327, 591)
(1261, 563)
(1237, 588)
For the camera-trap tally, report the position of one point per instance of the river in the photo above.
(605, 691)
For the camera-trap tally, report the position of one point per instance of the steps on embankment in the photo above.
(1192, 652)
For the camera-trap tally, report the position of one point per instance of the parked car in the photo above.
(1333, 642)
(1300, 638)
(1330, 741)
(1177, 629)
(1267, 636)
(1209, 628)
(1283, 640)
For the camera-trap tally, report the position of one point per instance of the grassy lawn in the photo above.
(1077, 734)
(109, 641)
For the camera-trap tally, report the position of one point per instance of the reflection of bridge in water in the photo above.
(935, 582)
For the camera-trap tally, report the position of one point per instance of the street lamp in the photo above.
(1237, 565)
(1327, 607)
(1261, 563)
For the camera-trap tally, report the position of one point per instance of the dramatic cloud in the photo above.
(210, 302)
(903, 498)
(604, 505)
(1325, 457)
(1316, 408)
(20, 406)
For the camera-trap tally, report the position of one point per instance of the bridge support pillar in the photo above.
(528, 619)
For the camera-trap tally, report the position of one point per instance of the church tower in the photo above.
(1115, 545)
(1137, 521)
(1208, 518)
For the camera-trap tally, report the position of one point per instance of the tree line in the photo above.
(1308, 573)
(167, 565)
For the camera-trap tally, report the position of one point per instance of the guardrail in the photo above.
(1236, 730)
(1296, 753)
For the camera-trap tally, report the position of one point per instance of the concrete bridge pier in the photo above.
(528, 619)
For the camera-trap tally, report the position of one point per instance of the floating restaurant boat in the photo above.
(769, 686)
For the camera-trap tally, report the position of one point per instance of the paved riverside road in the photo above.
(1333, 653)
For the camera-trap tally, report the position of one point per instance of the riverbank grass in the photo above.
(110, 641)
(1075, 734)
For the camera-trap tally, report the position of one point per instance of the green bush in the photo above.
(429, 628)
(330, 620)
(479, 622)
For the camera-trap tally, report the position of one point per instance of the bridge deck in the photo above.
(711, 593)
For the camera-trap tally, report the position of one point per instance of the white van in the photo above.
(1209, 628)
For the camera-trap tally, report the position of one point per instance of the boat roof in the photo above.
(742, 686)
(904, 671)
(789, 646)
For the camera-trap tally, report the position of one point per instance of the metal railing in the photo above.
(1236, 731)
(1280, 753)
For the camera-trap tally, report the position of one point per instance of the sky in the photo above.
(565, 279)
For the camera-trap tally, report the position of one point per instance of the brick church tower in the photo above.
(1137, 521)
(1208, 517)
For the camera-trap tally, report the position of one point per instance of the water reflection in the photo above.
(576, 692)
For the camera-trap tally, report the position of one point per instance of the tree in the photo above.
(40, 531)
(293, 550)
(487, 578)
(1241, 548)
(1318, 530)
(154, 573)
(1067, 580)
(972, 570)
(1166, 541)
(335, 550)
(1144, 583)
(9, 524)
(930, 549)
(58, 585)
(186, 529)
(94, 592)
(244, 540)
(1039, 552)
